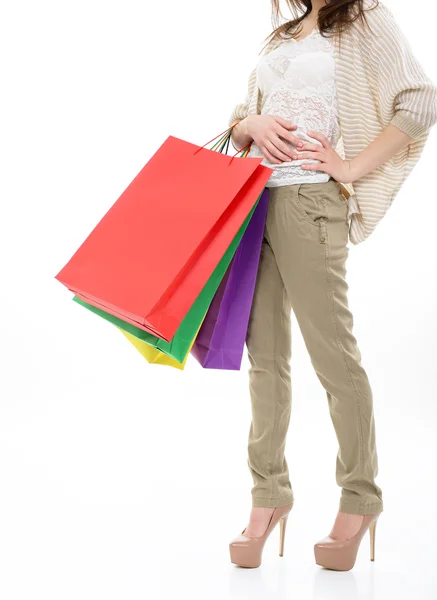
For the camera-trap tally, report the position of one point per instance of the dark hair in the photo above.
(333, 18)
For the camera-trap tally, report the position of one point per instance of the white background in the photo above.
(124, 480)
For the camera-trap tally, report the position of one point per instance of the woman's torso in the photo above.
(297, 82)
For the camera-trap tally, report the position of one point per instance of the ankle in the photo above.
(258, 513)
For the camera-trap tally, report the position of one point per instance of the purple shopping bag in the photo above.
(221, 338)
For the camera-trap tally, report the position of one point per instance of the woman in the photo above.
(340, 109)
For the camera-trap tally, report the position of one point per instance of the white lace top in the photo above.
(297, 82)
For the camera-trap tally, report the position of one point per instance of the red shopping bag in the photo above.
(151, 254)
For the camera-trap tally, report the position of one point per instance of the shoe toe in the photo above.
(241, 540)
(324, 542)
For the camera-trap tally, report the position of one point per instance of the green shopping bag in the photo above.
(181, 342)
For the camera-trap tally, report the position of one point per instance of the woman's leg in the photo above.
(268, 343)
(307, 229)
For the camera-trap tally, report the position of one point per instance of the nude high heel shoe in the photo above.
(247, 551)
(341, 555)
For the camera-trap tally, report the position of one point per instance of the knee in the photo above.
(272, 360)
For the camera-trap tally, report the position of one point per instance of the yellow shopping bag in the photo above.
(155, 356)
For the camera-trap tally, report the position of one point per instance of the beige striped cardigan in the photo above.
(379, 81)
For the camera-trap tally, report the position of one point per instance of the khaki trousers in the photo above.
(302, 268)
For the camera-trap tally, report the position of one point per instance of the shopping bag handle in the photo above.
(225, 138)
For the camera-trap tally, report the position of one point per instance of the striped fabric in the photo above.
(379, 81)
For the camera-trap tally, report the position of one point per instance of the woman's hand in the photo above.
(331, 161)
(273, 135)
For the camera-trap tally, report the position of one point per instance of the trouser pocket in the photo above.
(311, 202)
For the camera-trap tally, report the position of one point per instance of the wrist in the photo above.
(242, 127)
(245, 123)
(240, 136)
(354, 171)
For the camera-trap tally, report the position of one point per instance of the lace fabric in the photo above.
(297, 82)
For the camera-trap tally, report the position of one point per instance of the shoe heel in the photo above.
(283, 525)
(372, 528)
(247, 551)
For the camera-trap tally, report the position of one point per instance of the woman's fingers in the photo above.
(288, 136)
(270, 157)
(318, 135)
(279, 144)
(310, 146)
(284, 130)
(279, 149)
(283, 147)
(286, 124)
(315, 155)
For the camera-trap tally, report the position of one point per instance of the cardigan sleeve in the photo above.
(407, 97)
(240, 111)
